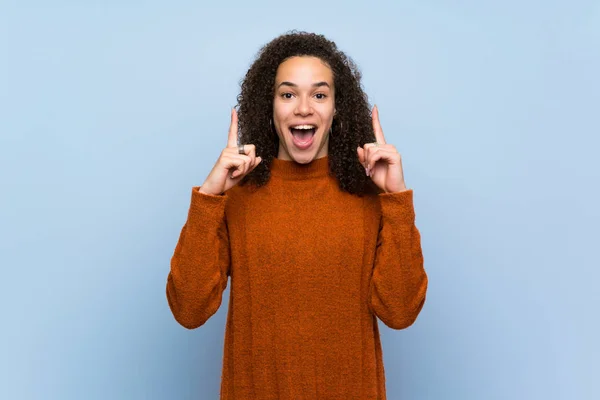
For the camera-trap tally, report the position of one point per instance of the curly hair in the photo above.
(351, 127)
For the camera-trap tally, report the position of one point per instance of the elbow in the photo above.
(399, 324)
(188, 323)
(400, 313)
(401, 318)
(187, 316)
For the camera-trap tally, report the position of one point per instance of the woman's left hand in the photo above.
(382, 161)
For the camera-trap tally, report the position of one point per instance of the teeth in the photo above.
(303, 127)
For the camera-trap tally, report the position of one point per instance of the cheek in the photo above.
(278, 117)
(327, 112)
(281, 112)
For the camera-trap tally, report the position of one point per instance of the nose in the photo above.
(303, 107)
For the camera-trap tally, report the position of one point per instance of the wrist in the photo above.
(208, 192)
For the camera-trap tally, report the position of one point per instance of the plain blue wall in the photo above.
(111, 111)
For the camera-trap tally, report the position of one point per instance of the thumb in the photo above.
(361, 154)
(256, 162)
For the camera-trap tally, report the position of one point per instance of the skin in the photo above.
(304, 94)
(382, 161)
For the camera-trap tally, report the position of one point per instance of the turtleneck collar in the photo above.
(293, 170)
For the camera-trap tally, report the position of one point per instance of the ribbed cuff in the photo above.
(204, 203)
(398, 206)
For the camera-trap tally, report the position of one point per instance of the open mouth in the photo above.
(303, 134)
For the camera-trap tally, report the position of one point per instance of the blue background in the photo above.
(111, 111)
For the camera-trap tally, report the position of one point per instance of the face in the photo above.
(303, 108)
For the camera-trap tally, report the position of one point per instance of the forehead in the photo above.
(304, 70)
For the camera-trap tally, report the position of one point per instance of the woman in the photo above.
(311, 218)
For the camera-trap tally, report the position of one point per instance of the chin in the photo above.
(308, 155)
(297, 153)
(303, 158)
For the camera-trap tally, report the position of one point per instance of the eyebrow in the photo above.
(318, 84)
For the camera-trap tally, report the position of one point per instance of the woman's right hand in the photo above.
(231, 166)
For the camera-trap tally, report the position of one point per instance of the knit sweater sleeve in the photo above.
(399, 282)
(200, 263)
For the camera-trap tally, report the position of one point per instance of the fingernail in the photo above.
(367, 171)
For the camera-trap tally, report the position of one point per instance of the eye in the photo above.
(320, 96)
(287, 95)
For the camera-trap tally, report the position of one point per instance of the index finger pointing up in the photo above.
(377, 126)
(232, 141)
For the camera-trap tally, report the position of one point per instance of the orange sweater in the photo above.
(311, 267)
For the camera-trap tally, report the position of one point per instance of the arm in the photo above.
(200, 263)
(399, 282)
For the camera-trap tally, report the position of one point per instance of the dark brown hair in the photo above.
(352, 126)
